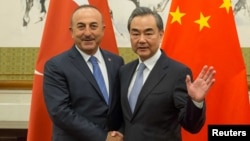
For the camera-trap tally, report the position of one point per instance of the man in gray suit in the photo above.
(75, 103)
(168, 99)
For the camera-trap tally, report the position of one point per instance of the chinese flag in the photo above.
(56, 39)
(203, 32)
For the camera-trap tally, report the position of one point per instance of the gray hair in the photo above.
(142, 11)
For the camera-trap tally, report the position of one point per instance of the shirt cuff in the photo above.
(198, 104)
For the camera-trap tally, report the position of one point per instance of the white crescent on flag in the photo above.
(81, 2)
(38, 73)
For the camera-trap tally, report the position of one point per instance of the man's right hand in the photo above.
(114, 136)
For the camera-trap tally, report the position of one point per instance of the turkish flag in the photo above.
(204, 33)
(56, 39)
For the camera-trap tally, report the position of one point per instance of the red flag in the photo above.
(56, 39)
(204, 33)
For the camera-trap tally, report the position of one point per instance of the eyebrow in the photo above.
(80, 23)
(146, 30)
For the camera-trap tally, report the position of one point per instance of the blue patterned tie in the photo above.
(99, 78)
(136, 87)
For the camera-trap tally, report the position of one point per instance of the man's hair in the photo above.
(84, 6)
(143, 11)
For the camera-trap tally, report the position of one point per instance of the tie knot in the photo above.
(93, 60)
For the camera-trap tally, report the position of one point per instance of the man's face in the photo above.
(87, 29)
(145, 37)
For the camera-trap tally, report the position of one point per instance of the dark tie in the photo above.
(136, 87)
(99, 78)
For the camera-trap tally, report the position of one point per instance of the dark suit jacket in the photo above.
(74, 101)
(163, 105)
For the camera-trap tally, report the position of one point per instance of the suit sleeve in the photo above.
(191, 117)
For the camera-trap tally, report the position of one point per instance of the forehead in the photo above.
(87, 14)
(143, 22)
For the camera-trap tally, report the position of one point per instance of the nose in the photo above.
(87, 31)
(142, 39)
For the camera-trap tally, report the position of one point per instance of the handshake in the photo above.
(114, 136)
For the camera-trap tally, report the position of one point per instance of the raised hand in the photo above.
(198, 89)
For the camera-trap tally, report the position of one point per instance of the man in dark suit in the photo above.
(74, 100)
(168, 99)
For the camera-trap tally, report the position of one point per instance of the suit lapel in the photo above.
(82, 66)
(108, 61)
(126, 82)
(154, 78)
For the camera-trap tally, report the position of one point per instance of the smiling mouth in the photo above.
(88, 40)
(142, 48)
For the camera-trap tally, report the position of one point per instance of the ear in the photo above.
(161, 34)
(71, 31)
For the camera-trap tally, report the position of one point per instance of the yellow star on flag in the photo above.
(177, 15)
(226, 4)
(203, 21)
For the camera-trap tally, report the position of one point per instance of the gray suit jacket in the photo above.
(163, 105)
(74, 101)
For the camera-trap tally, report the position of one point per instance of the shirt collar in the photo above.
(86, 56)
(149, 63)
